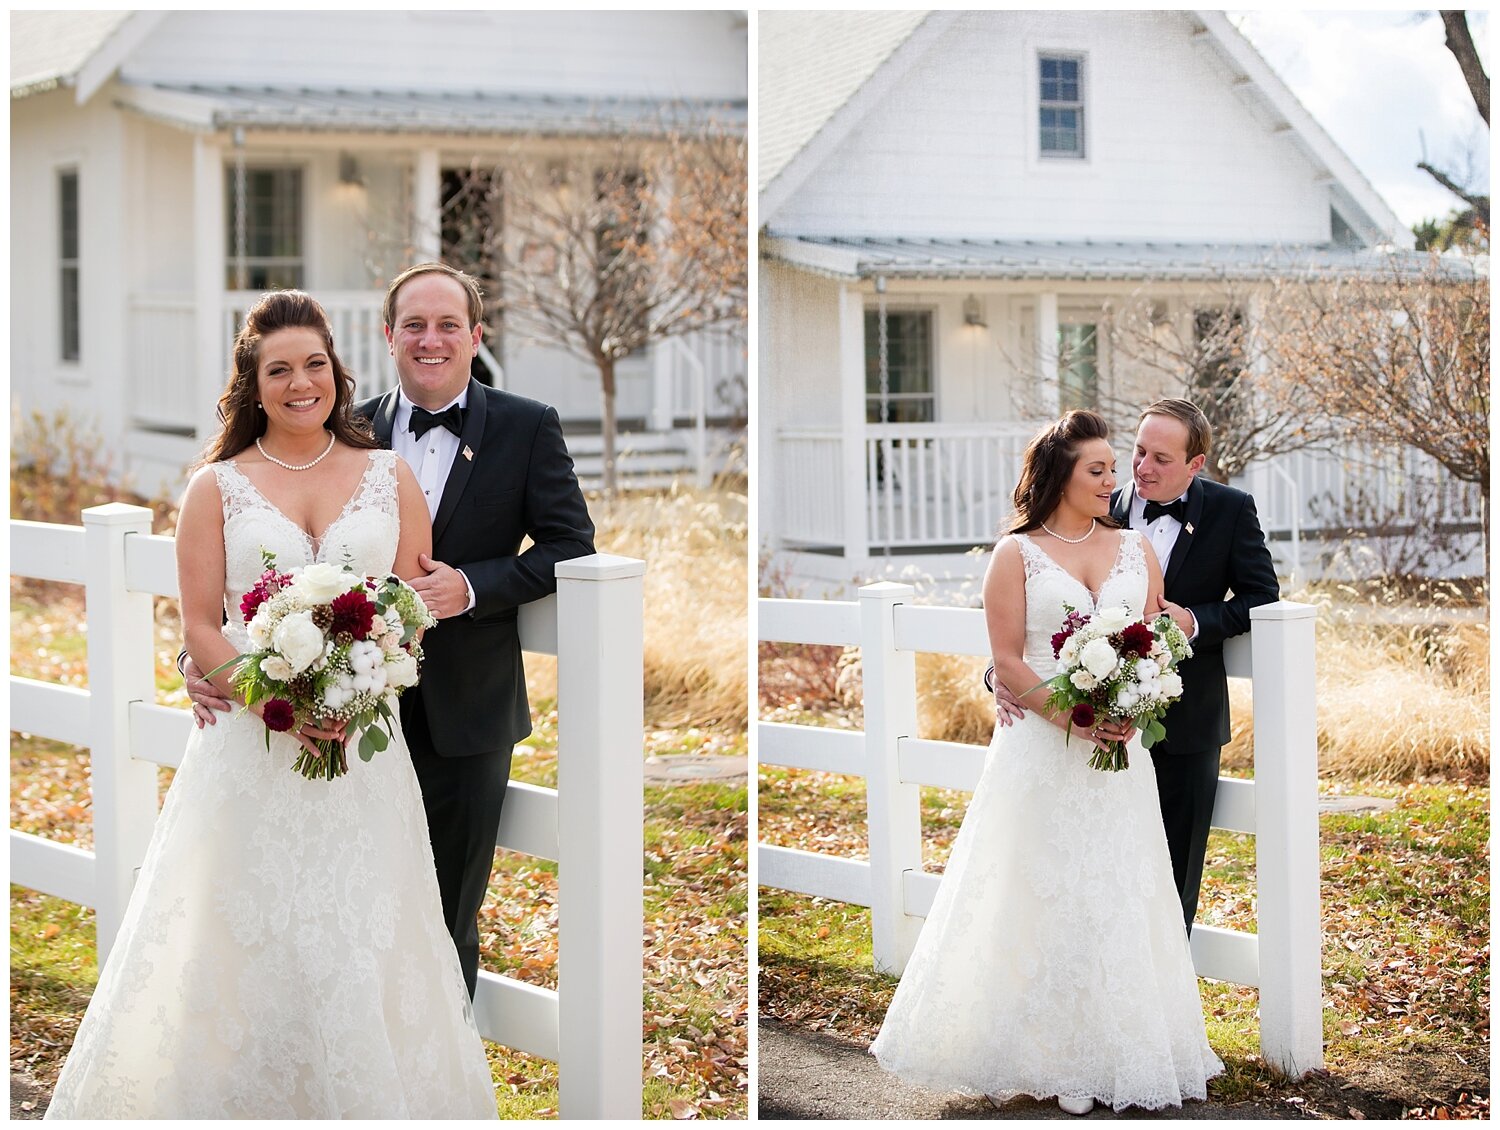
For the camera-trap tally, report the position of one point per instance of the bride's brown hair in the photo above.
(1048, 464)
(242, 420)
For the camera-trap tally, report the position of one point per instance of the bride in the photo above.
(1054, 961)
(283, 954)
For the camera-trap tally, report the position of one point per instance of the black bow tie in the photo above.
(423, 421)
(1177, 508)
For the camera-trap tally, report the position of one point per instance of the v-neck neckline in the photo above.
(314, 542)
(1056, 564)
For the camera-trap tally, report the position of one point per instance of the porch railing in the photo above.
(358, 332)
(591, 1025)
(940, 486)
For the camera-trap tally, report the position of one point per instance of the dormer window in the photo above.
(1061, 105)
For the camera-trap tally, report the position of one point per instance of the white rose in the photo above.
(276, 668)
(1171, 685)
(321, 582)
(1111, 620)
(298, 640)
(259, 629)
(1099, 658)
(1083, 680)
(401, 670)
(1069, 653)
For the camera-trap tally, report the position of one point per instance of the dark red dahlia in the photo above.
(353, 613)
(1058, 639)
(1136, 638)
(253, 600)
(278, 715)
(1083, 715)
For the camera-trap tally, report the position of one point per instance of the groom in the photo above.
(494, 469)
(1215, 569)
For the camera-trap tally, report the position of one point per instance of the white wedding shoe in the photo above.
(1075, 1106)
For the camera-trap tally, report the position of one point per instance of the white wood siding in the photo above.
(1173, 152)
(609, 54)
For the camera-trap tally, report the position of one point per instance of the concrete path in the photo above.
(815, 1075)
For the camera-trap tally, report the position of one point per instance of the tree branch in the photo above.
(1461, 43)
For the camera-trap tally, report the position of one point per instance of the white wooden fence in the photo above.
(591, 1025)
(1280, 807)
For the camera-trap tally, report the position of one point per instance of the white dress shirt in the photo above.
(430, 458)
(1162, 533)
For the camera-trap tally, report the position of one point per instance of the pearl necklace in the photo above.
(314, 463)
(1054, 533)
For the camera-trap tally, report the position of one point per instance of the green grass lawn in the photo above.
(1405, 902)
(696, 966)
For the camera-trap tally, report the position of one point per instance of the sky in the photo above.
(1379, 82)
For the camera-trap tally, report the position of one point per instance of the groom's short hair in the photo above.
(1192, 417)
(468, 282)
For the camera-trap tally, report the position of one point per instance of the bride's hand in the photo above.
(309, 733)
(1112, 730)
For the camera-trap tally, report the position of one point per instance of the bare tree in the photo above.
(1461, 43)
(1220, 353)
(606, 253)
(1402, 357)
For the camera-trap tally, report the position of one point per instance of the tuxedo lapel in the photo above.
(463, 464)
(384, 417)
(1119, 505)
(1184, 541)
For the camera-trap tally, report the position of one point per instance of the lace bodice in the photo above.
(1049, 587)
(364, 534)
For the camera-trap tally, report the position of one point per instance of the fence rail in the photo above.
(1279, 807)
(591, 1025)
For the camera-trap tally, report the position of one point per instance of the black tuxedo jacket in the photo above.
(1220, 550)
(519, 482)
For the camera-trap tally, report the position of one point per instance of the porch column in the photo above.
(663, 361)
(854, 492)
(210, 335)
(427, 207)
(1050, 389)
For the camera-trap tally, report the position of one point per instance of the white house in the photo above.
(166, 167)
(951, 206)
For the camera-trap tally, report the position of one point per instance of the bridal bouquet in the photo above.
(328, 645)
(1111, 667)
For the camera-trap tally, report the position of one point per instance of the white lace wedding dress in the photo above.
(1054, 961)
(284, 954)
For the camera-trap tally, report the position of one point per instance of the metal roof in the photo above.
(408, 111)
(47, 49)
(1040, 259)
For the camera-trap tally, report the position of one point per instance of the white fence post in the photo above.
(1286, 841)
(895, 819)
(121, 671)
(600, 789)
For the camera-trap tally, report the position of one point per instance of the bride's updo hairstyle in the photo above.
(1048, 465)
(242, 420)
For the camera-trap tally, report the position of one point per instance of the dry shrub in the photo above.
(1394, 702)
(697, 600)
(60, 465)
(952, 704)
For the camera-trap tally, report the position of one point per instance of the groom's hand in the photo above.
(206, 697)
(443, 589)
(1183, 618)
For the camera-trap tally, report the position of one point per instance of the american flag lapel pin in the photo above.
(1189, 525)
(469, 455)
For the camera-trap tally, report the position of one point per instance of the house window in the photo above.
(908, 397)
(271, 258)
(67, 257)
(1061, 105)
(1077, 365)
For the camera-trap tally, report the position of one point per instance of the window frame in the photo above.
(69, 281)
(1080, 105)
(297, 263)
(931, 395)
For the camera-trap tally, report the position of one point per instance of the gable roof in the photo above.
(48, 49)
(824, 83)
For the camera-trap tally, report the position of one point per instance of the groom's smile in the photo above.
(432, 340)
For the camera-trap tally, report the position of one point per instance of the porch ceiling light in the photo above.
(349, 171)
(973, 315)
